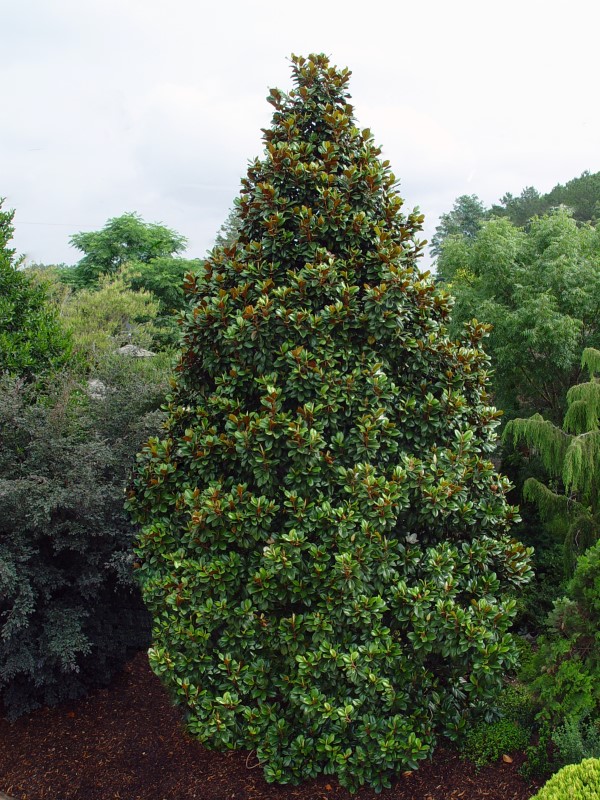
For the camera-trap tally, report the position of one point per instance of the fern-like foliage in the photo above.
(571, 455)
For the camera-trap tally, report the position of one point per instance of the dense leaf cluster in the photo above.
(325, 545)
(567, 666)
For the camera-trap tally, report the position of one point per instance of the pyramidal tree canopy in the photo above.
(325, 545)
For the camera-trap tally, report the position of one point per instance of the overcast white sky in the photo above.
(151, 106)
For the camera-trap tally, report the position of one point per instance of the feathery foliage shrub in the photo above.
(574, 782)
(325, 545)
(108, 316)
(69, 612)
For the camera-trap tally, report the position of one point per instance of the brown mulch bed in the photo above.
(126, 742)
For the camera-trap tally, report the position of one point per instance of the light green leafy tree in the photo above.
(540, 289)
(571, 457)
(123, 239)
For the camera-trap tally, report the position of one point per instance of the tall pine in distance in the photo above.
(325, 546)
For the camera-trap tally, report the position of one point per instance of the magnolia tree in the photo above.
(325, 545)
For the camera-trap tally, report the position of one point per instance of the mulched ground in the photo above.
(126, 743)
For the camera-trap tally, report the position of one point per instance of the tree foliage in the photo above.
(581, 196)
(463, 220)
(325, 545)
(164, 278)
(32, 340)
(123, 239)
(571, 456)
(540, 289)
(229, 230)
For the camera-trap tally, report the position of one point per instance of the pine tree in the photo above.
(325, 545)
(571, 456)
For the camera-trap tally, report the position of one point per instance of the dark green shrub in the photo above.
(325, 545)
(69, 614)
(574, 782)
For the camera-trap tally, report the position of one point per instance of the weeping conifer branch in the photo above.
(551, 505)
(549, 441)
(584, 408)
(582, 465)
(591, 360)
(572, 455)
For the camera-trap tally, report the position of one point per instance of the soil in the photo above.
(127, 742)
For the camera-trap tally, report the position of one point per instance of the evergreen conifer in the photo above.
(571, 456)
(325, 545)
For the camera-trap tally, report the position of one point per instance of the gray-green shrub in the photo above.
(69, 612)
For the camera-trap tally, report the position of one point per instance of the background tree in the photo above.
(228, 232)
(123, 239)
(463, 220)
(521, 209)
(31, 338)
(540, 289)
(580, 196)
(325, 548)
